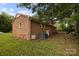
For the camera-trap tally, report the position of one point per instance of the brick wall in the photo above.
(28, 28)
(36, 29)
(23, 31)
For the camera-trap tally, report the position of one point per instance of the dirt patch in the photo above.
(68, 42)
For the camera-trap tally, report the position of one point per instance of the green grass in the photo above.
(10, 46)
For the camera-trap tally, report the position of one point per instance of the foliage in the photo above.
(52, 10)
(75, 19)
(55, 11)
(5, 22)
(41, 9)
(58, 25)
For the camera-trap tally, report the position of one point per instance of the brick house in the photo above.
(25, 28)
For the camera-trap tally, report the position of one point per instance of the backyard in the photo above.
(60, 44)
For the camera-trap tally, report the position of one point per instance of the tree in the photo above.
(49, 11)
(75, 19)
(46, 11)
(5, 22)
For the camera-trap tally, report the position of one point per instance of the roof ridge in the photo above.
(22, 14)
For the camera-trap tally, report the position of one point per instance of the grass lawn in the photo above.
(11, 46)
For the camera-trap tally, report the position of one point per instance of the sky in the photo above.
(12, 9)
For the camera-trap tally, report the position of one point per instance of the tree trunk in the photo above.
(77, 28)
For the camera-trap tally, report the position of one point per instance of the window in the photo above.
(41, 26)
(20, 25)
